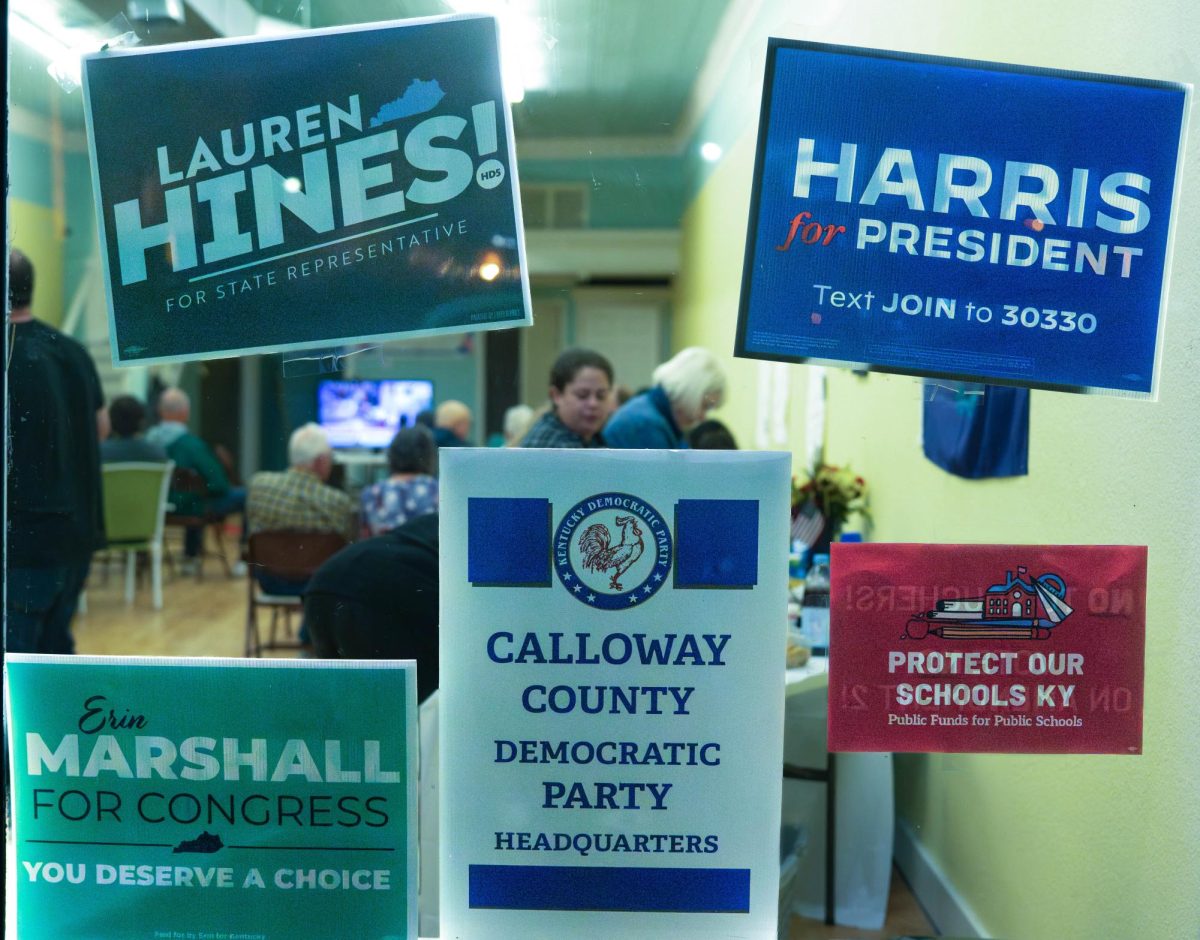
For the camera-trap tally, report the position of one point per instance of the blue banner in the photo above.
(607, 888)
(326, 188)
(961, 219)
(977, 431)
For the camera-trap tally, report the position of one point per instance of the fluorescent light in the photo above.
(39, 27)
(522, 43)
(711, 151)
(37, 38)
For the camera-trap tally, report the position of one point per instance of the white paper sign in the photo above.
(612, 687)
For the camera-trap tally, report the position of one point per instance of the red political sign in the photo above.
(1032, 649)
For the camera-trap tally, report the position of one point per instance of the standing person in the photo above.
(126, 416)
(55, 510)
(580, 386)
(411, 490)
(686, 387)
(452, 424)
(190, 452)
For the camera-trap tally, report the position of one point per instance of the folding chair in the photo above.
(189, 492)
(291, 555)
(135, 507)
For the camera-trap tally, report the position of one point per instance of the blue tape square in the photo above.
(597, 888)
(716, 543)
(508, 542)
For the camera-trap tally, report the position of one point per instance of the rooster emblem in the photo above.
(599, 554)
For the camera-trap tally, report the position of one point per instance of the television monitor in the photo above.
(367, 413)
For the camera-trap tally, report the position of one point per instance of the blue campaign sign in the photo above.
(326, 188)
(961, 219)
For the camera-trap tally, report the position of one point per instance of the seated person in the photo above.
(452, 424)
(191, 453)
(411, 490)
(686, 387)
(378, 599)
(580, 389)
(711, 434)
(125, 444)
(298, 499)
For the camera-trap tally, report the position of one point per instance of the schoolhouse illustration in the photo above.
(1019, 608)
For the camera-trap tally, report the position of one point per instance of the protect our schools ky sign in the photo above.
(987, 648)
(961, 219)
(612, 693)
(325, 188)
(177, 799)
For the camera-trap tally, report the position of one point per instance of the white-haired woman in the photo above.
(686, 387)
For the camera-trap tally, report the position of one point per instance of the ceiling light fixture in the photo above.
(44, 34)
(522, 47)
(40, 27)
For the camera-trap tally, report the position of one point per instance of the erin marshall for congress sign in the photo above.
(224, 799)
(612, 693)
(961, 219)
(331, 187)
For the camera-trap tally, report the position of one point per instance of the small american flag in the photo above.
(807, 524)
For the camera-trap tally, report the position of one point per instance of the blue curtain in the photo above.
(977, 431)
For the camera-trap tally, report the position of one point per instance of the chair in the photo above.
(188, 491)
(292, 555)
(135, 506)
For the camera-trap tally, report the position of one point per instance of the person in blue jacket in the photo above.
(686, 387)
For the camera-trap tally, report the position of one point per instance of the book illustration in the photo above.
(1021, 608)
(205, 843)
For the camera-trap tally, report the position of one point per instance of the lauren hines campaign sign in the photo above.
(612, 693)
(220, 799)
(961, 219)
(1033, 649)
(332, 187)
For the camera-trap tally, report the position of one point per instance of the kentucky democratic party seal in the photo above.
(612, 551)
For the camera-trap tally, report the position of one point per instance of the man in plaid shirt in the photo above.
(298, 498)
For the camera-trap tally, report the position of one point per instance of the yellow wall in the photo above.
(37, 231)
(1038, 847)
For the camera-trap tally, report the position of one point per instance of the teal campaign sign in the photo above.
(180, 799)
(337, 187)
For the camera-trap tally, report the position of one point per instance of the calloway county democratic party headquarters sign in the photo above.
(961, 219)
(176, 799)
(330, 187)
(612, 693)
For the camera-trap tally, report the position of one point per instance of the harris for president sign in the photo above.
(962, 219)
(320, 189)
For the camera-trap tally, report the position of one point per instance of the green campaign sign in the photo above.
(207, 799)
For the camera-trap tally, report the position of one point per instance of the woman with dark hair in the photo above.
(580, 385)
(126, 416)
(711, 434)
(411, 490)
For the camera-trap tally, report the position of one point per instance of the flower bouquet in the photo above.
(824, 502)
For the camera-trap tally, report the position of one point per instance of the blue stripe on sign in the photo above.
(716, 543)
(508, 542)
(563, 888)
